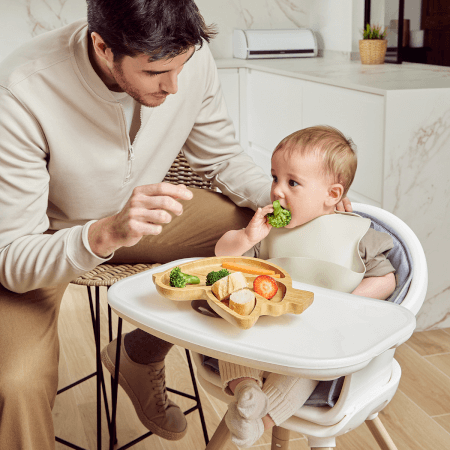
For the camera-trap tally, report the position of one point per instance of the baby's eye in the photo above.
(275, 179)
(293, 183)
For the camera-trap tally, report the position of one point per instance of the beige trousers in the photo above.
(29, 347)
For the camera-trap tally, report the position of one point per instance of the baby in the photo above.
(312, 170)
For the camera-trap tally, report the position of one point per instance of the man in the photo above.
(91, 118)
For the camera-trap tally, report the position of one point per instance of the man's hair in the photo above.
(160, 28)
(329, 145)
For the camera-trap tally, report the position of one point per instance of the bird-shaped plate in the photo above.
(287, 300)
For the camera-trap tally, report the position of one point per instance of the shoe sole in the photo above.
(151, 426)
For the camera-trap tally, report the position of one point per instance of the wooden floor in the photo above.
(417, 418)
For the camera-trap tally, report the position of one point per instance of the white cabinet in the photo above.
(229, 80)
(360, 116)
(274, 108)
(278, 105)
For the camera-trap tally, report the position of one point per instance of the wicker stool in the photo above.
(106, 275)
(115, 385)
(103, 275)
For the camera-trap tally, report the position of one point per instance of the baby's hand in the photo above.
(258, 228)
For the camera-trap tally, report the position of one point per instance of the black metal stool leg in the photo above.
(197, 397)
(95, 317)
(110, 331)
(115, 386)
(99, 368)
(97, 357)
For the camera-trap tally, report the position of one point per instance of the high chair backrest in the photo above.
(407, 256)
(399, 256)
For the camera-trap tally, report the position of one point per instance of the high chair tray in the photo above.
(286, 300)
(337, 335)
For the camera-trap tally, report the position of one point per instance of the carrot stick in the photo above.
(249, 269)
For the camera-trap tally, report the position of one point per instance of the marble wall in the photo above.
(21, 20)
(337, 24)
(417, 187)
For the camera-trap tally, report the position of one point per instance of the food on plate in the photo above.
(213, 276)
(242, 302)
(180, 280)
(224, 287)
(280, 216)
(265, 286)
(249, 269)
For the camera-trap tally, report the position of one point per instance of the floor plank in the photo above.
(67, 420)
(426, 385)
(443, 421)
(410, 427)
(442, 362)
(430, 342)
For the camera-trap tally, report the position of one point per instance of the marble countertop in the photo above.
(376, 79)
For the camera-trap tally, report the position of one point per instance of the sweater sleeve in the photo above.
(213, 151)
(30, 259)
(374, 248)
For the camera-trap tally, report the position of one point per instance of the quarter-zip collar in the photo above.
(79, 49)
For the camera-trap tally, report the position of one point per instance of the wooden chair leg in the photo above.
(280, 438)
(380, 434)
(220, 437)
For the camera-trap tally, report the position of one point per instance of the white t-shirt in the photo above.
(128, 104)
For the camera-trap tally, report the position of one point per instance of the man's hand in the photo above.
(147, 209)
(344, 205)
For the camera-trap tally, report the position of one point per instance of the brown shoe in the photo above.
(146, 387)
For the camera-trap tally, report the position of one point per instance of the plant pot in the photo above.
(372, 51)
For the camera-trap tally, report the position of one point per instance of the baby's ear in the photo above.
(335, 192)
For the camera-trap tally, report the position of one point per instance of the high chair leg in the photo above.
(280, 438)
(380, 434)
(220, 437)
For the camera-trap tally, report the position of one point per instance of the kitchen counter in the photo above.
(375, 79)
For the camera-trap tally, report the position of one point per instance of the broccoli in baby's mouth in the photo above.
(280, 216)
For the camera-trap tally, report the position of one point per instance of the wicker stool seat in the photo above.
(181, 173)
(108, 274)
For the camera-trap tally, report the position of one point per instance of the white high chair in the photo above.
(365, 392)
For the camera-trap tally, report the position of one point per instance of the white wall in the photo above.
(21, 20)
(357, 23)
(229, 14)
(336, 23)
(413, 12)
(333, 21)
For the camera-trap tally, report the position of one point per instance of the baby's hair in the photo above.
(337, 152)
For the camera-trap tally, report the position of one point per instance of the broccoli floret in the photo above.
(180, 280)
(280, 216)
(212, 277)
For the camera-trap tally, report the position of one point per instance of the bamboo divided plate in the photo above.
(286, 301)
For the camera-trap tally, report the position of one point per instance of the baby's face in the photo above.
(300, 186)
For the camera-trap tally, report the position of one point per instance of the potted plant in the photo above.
(373, 45)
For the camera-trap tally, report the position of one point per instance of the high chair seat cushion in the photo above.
(400, 258)
(325, 394)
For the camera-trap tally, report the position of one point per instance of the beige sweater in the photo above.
(66, 158)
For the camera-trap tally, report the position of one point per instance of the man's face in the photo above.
(149, 83)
